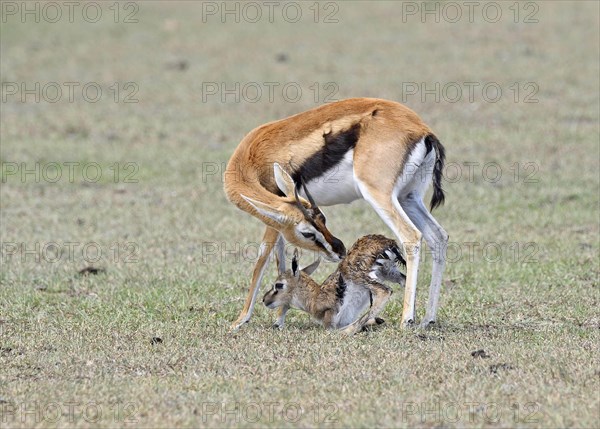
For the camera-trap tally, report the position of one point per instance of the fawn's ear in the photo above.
(295, 270)
(312, 267)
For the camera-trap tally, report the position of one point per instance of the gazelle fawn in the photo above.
(284, 171)
(357, 284)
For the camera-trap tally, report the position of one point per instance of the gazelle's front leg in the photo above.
(280, 255)
(269, 240)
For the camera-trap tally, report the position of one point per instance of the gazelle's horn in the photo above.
(310, 198)
(299, 204)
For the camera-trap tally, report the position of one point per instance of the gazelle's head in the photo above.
(300, 221)
(282, 292)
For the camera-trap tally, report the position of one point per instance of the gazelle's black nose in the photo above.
(338, 247)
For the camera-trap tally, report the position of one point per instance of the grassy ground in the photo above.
(145, 343)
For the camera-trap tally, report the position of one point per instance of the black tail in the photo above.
(438, 197)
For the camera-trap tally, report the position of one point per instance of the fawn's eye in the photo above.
(309, 235)
(278, 286)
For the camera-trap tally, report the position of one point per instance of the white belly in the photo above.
(336, 185)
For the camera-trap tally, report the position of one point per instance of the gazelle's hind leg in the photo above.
(437, 240)
(381, 178)
(380, 294)
(270, 237)
(398, 221)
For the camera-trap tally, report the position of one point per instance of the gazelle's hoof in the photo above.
(407, 324)
(237, 325)
(277, 326)
(427, 323)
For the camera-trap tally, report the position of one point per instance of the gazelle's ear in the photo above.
(267, 210)
(284, 181)
(295, 270)
(312, 267)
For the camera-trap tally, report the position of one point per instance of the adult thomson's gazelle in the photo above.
(375, 149)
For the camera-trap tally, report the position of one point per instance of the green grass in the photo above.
(178, 256)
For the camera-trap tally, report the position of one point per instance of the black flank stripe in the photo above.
(336, 146)
(410, 147)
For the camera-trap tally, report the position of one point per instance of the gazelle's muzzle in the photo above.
(338, 250)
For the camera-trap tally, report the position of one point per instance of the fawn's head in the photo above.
(282, 291)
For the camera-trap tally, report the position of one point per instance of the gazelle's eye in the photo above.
(278, 286)
(309, 235)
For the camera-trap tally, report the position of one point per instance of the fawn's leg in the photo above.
(281, 312)
(380, 294)
(327, 319)
(374, 322)
(395, 275)
(392, 275)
